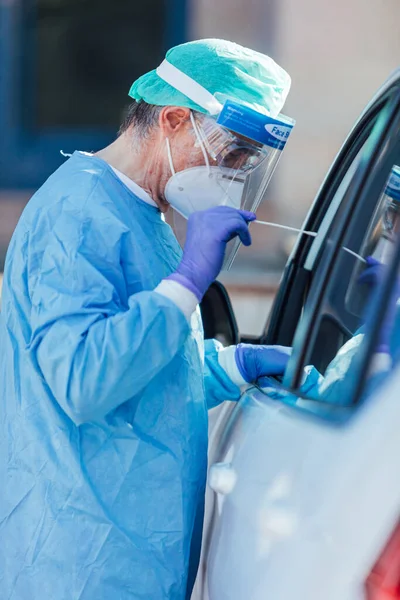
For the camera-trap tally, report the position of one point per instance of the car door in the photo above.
(302, 264)
(347, 202)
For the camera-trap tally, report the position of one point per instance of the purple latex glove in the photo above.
(373, 273)
(254, 361)
(373, 276)
(208, 232)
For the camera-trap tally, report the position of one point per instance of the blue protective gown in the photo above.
(104, 389)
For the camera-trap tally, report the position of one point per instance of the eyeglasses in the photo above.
(228, 149)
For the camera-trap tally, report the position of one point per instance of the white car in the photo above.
(304, 490)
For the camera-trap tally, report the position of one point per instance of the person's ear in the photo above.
(173, 119)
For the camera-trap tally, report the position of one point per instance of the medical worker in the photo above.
(105, 378)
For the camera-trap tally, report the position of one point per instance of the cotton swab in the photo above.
(310, 233)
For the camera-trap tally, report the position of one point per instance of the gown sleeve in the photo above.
(94, 349)
(218, 385)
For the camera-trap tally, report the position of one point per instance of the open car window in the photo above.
(302, 265)
(337, 335)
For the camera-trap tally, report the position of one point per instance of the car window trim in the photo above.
(275, 330)
(357, 188)
(330, 215)
(381, 303)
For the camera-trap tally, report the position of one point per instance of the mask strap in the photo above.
(198, 136)
(171, 164)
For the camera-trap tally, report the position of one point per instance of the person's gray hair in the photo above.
(142, 117)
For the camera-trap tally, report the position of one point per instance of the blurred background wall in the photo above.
(66, 67)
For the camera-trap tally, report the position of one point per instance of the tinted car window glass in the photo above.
(347, 314)
(337, 328)
(347, 296)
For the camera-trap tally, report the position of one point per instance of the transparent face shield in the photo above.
(234, 168)
(391, 221)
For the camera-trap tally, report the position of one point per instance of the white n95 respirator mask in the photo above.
(236, 169)
(199, 188)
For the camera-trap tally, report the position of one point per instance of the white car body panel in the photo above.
(313, 502)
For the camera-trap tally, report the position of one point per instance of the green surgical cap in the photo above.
(226, 70)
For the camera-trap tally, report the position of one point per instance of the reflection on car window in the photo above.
(378, 241)
(347, 311)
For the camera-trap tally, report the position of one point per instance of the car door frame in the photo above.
(298, 275)
(369, 180)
